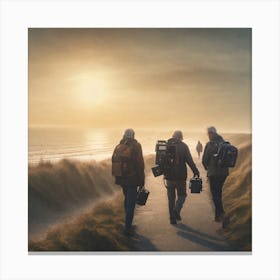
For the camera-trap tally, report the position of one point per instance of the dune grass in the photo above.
(237, 197)
(97, 230)
(57, 188)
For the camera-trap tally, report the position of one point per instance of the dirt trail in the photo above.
(196, 232)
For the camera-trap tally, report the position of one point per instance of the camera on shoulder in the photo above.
(165, 157)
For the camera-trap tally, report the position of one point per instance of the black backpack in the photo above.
(171, 160)
(227, 154)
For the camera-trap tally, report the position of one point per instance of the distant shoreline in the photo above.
(83, 156)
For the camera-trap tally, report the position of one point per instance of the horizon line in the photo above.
(136, 128)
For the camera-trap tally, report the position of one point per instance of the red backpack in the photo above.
(122, 161)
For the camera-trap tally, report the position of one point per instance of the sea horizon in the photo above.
(83, 143)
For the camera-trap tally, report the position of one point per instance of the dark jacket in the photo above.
(179, 171)
(137, 165)
(209, 161)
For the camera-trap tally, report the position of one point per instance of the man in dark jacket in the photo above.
(177, 176)
(216, 174)
(132, 177)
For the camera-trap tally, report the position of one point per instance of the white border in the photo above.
(17, 16)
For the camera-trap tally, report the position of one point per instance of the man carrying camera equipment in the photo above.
(218, 156)
(176, 175)
(128, 169)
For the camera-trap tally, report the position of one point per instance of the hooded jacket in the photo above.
(179, 171)
(209, 161)
(137, 165)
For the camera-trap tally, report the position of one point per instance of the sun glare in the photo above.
(91, 90)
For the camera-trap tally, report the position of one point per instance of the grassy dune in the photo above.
(55, 189)
(98, 230)
(237, 196)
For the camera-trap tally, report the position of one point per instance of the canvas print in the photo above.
(139, 140)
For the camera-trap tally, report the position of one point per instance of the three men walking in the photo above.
(128, 169)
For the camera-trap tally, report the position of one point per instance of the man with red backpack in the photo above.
(128, 169)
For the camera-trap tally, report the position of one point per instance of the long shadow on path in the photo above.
(201, 238)
(142, 243)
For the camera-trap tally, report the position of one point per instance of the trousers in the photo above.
(130, 195)
(173, 187)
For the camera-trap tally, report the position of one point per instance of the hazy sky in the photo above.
(175, 78)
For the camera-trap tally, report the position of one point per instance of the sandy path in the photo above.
(196, 232)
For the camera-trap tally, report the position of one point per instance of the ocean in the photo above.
(55, 143)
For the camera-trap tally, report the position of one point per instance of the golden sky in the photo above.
(188, 78)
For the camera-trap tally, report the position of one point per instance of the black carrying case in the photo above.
(196, 185)
(157, 171)
(142, 196)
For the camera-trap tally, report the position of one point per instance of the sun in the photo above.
(91, 90)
